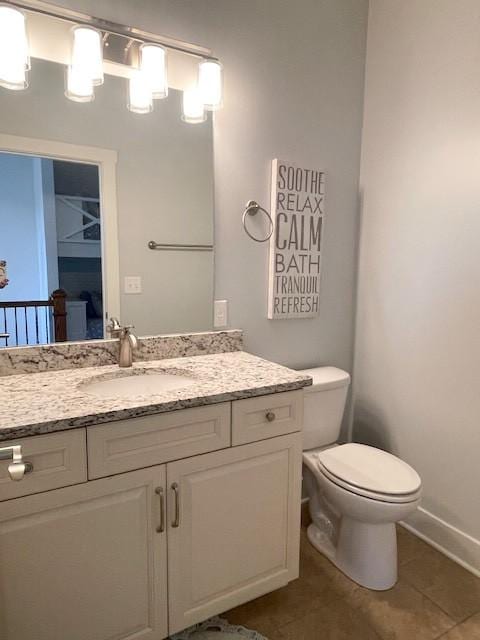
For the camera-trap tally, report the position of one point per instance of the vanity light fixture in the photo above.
(78, 85)
(87, 53)
(138, 55)
(14, 55)
(140, 97)
(210, 83)
(193, 109)
(153, 65)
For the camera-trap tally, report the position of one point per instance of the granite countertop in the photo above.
(36, 403)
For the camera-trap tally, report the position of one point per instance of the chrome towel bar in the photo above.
(179, 247)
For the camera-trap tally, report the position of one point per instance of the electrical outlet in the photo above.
(132, 284)
(220, 314)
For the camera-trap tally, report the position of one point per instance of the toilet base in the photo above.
(366, 553)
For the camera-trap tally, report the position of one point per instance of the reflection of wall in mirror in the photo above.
(22, 241)
(25, 188)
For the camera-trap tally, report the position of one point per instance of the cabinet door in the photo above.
(238, 527)
(85, 562)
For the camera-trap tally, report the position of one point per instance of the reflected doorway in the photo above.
(51, 273)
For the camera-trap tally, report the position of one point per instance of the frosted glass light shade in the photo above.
(79, 86)
(14, 56)
(140, 99)
(87, 53)
(153, 65)
(193, 109)
(210, 83)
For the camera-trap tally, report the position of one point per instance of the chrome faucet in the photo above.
(127, 340)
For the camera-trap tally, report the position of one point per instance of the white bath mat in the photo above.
(217, 629)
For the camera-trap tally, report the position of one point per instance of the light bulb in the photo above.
(79, 87)
(14, 56)
(193, 107)
(153, 65)
(210, 83)
(140, 99)
(87, 53)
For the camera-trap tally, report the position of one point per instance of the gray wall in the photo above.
(294, 90)
(417, 379)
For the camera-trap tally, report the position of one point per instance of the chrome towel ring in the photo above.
(251, 209)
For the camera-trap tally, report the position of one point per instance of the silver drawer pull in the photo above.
(161, 526)
(176, 521)
(18, 467)
(270, 416)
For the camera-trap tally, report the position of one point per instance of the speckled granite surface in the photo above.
(32, 404)
(70, 355)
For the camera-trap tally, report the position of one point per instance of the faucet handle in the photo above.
(113, 327)
(114, 324)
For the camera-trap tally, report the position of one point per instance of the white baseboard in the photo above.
(455, 544)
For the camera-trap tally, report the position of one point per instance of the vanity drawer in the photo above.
(143, 442)
(58, 459)
(266, 416)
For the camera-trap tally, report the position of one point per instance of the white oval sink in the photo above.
(141, 384)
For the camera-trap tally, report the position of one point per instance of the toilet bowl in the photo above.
(356, 492)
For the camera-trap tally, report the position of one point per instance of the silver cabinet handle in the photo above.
(18, 467)
(161, 497)
(270, 416)
(175, 489)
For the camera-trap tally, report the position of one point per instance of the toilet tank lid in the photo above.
(326, 378)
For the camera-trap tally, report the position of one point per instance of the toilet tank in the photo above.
(324, 404)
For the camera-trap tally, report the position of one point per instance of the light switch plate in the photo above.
(220, 314)
(132, 284)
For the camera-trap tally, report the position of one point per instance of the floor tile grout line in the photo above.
(455, 622)
(340, 598)
(309, 611)
(458, 624)
(445, 633)
(407, 581)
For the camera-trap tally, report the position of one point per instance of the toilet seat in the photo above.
(367, 472)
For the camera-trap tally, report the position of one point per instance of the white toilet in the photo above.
(356, 493)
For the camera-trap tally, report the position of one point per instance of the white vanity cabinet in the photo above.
(238, 527)
(145, 553)
(85, 562)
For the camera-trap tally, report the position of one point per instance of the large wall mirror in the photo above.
(84, 189)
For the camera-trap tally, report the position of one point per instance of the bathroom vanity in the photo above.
(142, 515)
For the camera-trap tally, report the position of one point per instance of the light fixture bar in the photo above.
(131, 33)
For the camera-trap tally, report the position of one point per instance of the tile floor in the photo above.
(434, 598)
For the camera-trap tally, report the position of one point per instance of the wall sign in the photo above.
(297, 206)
